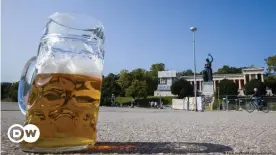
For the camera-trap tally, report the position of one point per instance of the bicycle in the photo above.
(262, 106)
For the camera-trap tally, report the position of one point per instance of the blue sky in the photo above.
(142, 32)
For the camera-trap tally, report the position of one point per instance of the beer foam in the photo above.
(76, 64)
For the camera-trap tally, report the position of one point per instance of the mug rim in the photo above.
(90, 20)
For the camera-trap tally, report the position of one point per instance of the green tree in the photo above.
(124, 81)
(227, 87)
(151, 83)
(270, 82)
(152, 77)
(255, 83)
(5, 90)
(271, 63)
(138, 89)
(13, 91)
(182, 88)
(109, 87)
(229, 70)
(157, 67)
(138, 74)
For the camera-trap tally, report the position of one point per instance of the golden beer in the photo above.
(65, 109)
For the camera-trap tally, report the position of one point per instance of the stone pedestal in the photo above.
(208, 88)
(208, 93)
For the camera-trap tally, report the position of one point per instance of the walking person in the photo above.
(132, 103)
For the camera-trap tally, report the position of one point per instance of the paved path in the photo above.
(154, 131)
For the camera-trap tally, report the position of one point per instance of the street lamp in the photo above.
(193, 29)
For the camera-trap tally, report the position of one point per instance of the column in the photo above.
(244, 79)
(200, 86)
(239, 83)
(215, 86)
(249, 77)
(256, 76)
(262, 75)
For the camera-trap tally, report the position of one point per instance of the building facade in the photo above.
(166, 78)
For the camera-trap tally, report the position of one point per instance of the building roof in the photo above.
(214, 76)
(254, 68)
(172, 73)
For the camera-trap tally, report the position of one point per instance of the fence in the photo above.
(232, 102)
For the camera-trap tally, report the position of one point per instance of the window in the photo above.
(163, 81)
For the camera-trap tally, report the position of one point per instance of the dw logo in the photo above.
(29, 133)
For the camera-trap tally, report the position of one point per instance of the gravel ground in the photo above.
(154, 131)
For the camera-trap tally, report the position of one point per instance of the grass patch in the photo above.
(7, 100)
(216, 104)
(208, 108)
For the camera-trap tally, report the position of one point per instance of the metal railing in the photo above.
(232, 102)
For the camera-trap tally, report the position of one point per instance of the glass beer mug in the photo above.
(59, 90)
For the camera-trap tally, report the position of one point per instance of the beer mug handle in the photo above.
(25, 83)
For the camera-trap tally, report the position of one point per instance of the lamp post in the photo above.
(193, 29)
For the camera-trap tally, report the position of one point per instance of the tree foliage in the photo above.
(5, 86)
(157, 67)
(138, 89)
(109, 87)
(14, 91)
(271, 63)
(124, 81)
(136, 83)
(229, 70)
(255, 83)
(227, 87)
(182, 88)
(187, 72)
(270, 82)
(9, 91)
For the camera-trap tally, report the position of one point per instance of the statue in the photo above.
(208, 73)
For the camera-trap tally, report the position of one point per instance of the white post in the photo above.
(193, 29)
(249, 77)
(256, 76)
(244, 79)
(215, 85)
(239, 83)
(262, 77)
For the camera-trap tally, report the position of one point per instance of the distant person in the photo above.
(161, 105)
(132, 103)
(151, 104)
(113, 98)
(155, 104)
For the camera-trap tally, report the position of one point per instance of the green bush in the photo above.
(226, 87)
(270, 82)
(255, 83)
(208, 108)
(216, 104)
(9, 91)
(182, 88)
(274, 107)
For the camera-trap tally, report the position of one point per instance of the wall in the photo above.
(163, 93)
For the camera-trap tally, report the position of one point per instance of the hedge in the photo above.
(144, 102)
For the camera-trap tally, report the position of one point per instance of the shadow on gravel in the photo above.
(156, 147)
